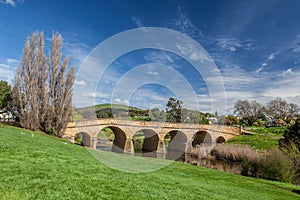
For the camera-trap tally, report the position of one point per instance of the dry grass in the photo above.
(235, 152)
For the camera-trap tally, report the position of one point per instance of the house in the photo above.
(5, 116)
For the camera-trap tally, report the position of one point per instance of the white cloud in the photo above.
(232, 49)
(77, 51)
(117, 100)
(161, 57)
(262, 87)
(137, 22)
(288, 71)
(185, 25)
(12, 61)
(10, 2)
(7, 68)
(272, 56)
(80, 83)
(153, 73)
(266, 62)
(4, 65)
(295, 46)
(232, 44)
(227, 43)
(192, 53)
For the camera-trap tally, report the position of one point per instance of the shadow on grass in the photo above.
(128, 163)
(296, 191)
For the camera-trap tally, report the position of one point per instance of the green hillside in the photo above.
(37, 166)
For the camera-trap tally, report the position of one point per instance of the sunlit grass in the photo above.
(265, 138)
(37, 166)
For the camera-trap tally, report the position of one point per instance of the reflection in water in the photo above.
(105, 144)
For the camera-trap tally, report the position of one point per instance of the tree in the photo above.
(42, 92)
(4, 94)
(174, 107)
(292, 110)
(248, 111)
(231, 120)
(279, 109)
(276, 109)
(291, 135)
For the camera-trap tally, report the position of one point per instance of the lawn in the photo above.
(37, 166)
(265, 138)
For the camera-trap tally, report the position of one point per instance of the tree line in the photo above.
(275, 112)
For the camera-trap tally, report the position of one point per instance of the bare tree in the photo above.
(249, 111)
(292, 109)
(42, 93)
(280, 109)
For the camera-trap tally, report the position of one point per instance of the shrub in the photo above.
(275, 165)
(293, 152)
(291, 135)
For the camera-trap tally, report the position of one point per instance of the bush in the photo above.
(275, 165)
(293, 153)
(291, 135)
(279, 165)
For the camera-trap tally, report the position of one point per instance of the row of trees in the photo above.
(174, 112)
(276, 111)
(41, 97)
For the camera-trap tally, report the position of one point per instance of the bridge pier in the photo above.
(188, 150)
(161, 149)
(128, 148)
(93, 143)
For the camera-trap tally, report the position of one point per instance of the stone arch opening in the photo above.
(146, 141)
(105, 139)
(115, 137)
(220, 139)
(83, 139)
(201, 137)
(175, 145)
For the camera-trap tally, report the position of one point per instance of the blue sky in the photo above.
(254, 44)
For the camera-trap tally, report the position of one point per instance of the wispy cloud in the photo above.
(295, 46)
(7, 68)
(137, 22)
(270, 58)
(232, 44)
(77, 51)
(184, 24)
(12, 3)
(262, 87)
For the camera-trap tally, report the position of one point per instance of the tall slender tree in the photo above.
(42, 92)
(174, 110)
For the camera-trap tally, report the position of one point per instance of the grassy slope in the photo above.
(40, 167)
(266, 138)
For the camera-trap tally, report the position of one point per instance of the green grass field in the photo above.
(37, 166)
(264, 139)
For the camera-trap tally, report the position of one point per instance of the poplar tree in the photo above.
(42, 92)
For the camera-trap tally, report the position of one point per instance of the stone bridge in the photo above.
(183, 137)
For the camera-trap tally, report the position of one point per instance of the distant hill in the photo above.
(129, 112)
(107, 111)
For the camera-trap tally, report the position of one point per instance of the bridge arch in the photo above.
(175, 145)
(220, 139)
(201, 137)
(83, 138)
(119, 139)
(149, 143)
